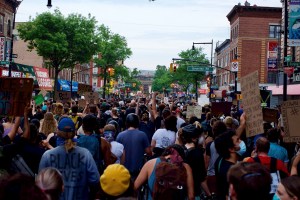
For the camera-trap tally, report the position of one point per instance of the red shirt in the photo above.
(266, 161)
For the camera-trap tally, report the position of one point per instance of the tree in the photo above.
(162, 79)
(113, 49)
(62, 41)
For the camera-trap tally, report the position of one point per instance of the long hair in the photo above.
(67, 136)
(48, 124)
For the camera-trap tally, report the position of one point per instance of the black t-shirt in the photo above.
(221, 168)
(207, 148)
(195, 158)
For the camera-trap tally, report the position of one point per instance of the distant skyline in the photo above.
(156, 31)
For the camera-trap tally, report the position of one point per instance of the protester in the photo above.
(80, 173)
(288, 189)
(115, 183)
(148, 174)
(135, 144)
(249, 181)
(51, 183)
(48, 125)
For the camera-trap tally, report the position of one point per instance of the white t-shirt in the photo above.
(117, 149)
(164, 138)
(179, 122)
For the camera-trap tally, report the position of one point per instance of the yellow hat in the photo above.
(115, 180)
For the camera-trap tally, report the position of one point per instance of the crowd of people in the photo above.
(141, 148)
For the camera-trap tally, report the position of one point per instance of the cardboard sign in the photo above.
(221, 108)
(81, 103)
(43, 92)
(43, 79)
(252, 104)
(15, 94)
(291, 120)
(270, 115)
(38, 99)
(91, 97)
(63, 97)
(83, 88)
(193, 111)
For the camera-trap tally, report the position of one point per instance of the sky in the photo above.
(156, 31)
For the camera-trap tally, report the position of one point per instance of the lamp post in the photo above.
(211, 56)
(285, 49)
(15, 5)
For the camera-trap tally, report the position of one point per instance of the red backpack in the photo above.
(170, 178)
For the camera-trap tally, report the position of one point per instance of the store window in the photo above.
(1, 23)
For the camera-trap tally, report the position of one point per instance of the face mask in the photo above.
(242, 148)
(276, 197)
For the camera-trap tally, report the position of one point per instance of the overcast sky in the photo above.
(156, 31)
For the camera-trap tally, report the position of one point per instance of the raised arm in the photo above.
(242, 126)
(26, 133)
(154, 105)
(12, 133)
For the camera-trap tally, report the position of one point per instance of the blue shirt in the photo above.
(91, 143)
(135, 142)
(77, 167)
(278, 152)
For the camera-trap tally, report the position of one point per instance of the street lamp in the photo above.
(15, 5)
(211, 56)
(49, 5)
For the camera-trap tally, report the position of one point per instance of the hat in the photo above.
(191, 131)
(66, 125)
(44, 108)
(115, 180)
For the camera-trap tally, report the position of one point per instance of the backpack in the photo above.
(274, 174)
(170, 180)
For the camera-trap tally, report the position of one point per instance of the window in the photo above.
(274, 31)
(1, 23)
(8, 28)
(272, 77)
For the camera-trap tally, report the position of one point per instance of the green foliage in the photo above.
(62, 41)
(163, 78)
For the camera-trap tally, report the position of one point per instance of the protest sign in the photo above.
(91, 97)
(43, 92)
(83, 88)
(15, 94)
(38, 99)
(193, 111)
(252, 104)
(291, 120)
(63, 97)
(270, 115)
(81, 103)
(43, 79)
(221, 108)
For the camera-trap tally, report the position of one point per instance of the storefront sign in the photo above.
(2, 48)
(43, 79)
(296, 77)
(294, 22)
(4, 73)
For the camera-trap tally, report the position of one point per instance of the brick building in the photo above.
(254, 41)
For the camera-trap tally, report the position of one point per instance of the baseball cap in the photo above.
(115, 180)
(66, 125)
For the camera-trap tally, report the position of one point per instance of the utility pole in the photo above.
(285, 49)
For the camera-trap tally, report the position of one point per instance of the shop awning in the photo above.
(64, 85)
(28, 72)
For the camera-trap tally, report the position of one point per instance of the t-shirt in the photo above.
(278, 152)
(221, 168)
(179, 122)
(164, 138)
(135, 142)
(91, 143)
(117, 149)
(213, 154)
(195, 159)
(77, 167)
(266, 161)
(148, 128)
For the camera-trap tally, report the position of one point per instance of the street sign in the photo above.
(288, 58)
(293, 64)
(199, 68)
(3, 62)
(15, 55)
(234, 66)
(127, 84)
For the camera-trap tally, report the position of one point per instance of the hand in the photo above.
(243, 118)
(27, 110)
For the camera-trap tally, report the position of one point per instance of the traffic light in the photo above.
(174, 68)
(171, 67)
(208, 81)
(109, 71)
(112, 71)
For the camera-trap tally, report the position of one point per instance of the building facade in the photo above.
(254, 41)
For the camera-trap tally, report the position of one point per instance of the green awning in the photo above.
(28, 72)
